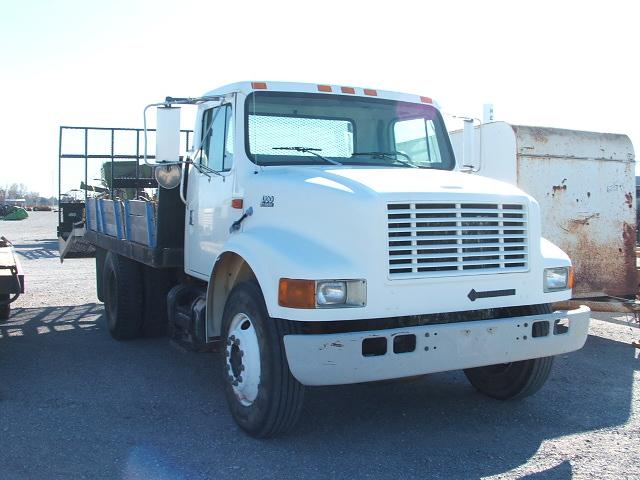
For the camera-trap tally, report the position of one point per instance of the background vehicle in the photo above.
(11, 278)
(321, 235)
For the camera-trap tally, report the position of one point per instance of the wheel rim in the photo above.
(243, 359)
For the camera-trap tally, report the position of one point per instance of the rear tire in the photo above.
(513, 380)
(123, 296)
(264, 398)
(5, 309)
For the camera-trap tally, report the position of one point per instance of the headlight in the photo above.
(294, 293)
(331, 293)
(560, 278)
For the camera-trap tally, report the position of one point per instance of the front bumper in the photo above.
(335, 359)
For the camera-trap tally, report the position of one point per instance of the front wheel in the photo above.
(264, 398)
(513, 380)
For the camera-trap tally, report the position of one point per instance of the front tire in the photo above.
(264, 398)
(513, 380)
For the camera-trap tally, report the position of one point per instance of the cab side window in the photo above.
(217, 138)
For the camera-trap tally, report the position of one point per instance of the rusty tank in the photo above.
(585, 184)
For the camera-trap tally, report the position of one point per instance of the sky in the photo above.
(546, 63)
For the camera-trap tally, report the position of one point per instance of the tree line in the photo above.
(20, 190)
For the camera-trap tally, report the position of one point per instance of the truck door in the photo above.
(210, 190)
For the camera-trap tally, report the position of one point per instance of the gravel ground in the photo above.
(76, 404)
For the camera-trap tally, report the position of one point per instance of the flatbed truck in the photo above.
(324, 235)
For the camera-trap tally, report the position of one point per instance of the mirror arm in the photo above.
(168, 102)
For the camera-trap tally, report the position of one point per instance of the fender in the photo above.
(273, 253)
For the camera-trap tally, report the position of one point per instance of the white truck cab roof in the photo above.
(247, 87)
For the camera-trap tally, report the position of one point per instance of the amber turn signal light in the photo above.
(571, 278)
(297, 293)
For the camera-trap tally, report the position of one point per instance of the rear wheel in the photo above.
(5, 308)
(264, 398)
(515, 379)
(123, 296)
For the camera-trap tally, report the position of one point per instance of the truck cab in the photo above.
(329, 239)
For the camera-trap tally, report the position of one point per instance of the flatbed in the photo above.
(157, 257)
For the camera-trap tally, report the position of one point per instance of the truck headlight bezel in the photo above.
(321, 294)
(556, 279)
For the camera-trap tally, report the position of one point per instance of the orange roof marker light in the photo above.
(426, 100)
(371, 92)
(325, 88)
(349, 90)
(259, 85)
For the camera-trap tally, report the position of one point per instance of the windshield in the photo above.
(309, 128)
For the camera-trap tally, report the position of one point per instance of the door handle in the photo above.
(190, 217)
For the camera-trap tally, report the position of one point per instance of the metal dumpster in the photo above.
(585, 184)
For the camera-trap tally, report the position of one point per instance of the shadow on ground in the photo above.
(47, 248)
(74, 402)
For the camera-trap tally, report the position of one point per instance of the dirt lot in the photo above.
(76, 404)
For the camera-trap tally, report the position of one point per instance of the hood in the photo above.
(405, 181)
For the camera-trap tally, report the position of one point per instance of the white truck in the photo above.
(322, 236)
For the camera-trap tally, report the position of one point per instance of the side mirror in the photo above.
(468, 147)
(168, 135)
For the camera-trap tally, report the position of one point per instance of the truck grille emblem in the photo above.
(473, 295)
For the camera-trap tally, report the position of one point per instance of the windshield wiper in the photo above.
(390, 155)
(310, 150)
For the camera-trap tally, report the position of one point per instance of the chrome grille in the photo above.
(449, 239)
